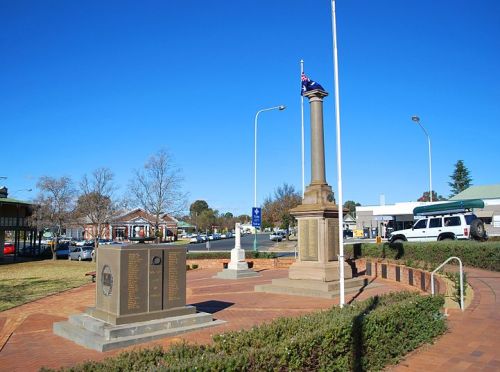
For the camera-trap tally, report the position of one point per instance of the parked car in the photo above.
(62, 250)
(449, 226)
(276, 237)
(348, 233)
(81, 253)
(8, 248)
(195, 239)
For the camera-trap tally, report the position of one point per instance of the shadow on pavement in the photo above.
(212, 306)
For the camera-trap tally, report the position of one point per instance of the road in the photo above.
(263, 244)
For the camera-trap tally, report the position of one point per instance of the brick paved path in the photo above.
(27, 342)
(473, 340)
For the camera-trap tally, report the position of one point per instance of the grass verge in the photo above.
(28, 281)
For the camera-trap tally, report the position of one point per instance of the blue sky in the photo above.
(86, 84)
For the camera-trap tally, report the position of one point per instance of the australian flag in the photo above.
(308, 84)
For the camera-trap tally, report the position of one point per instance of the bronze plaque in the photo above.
(156, 263)
(308, 239)
(174, 279)
(333, 239)
(134, 286)
(313, 240)
(303, 239)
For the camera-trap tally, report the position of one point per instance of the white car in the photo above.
(276, 237)
(195, 239)
(442, 227)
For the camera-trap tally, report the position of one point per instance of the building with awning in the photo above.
(136, 223)
(14, 217)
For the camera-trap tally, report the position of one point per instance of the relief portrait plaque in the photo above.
(106, 281)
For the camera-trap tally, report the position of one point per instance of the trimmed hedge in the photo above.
(365, 336)
(483, 255)
(227, 255)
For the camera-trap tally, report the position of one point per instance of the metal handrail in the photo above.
(461, 279)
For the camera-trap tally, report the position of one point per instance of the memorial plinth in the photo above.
(237, 267)
(140, 296)
(316, 271)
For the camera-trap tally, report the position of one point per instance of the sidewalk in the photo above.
(473, 340)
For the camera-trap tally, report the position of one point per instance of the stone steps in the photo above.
(95, 334)
(314, 288)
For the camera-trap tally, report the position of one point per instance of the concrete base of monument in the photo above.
(96, 334)
(236, 274)
(321, 271)
(140, 317)
(314, 288)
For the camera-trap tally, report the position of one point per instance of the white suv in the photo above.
(442, 227)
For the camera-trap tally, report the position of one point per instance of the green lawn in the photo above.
(28, 281)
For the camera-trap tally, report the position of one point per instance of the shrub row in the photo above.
(483, 255)
(365, 336)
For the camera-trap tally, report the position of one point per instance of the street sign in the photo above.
(256, 217)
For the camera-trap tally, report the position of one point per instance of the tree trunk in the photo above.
(53, 247)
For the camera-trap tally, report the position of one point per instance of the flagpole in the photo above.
(302, 127)
(339, 159)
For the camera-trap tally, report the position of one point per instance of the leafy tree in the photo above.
(351, 205)
(243, 218)
(158, 187)
(206, 219)
(276, 209)
(460, 179)
(95, 206)
(55, 200)
(435, 197)
(198, 206)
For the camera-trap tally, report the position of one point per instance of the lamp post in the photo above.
(280, 108)
(416, 119)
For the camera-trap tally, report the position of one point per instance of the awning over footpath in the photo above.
(451, 207)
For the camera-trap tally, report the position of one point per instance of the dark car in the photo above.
(62, 250)
(348, 233)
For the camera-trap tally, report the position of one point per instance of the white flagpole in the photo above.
(302, 127)
(339, 159)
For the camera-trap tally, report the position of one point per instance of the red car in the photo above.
(8, 248)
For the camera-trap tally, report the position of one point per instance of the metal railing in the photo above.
(461, 279)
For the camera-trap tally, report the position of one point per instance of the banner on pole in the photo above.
(256, 217)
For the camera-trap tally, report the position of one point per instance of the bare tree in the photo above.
(56, 200)
(157, 187)
(95, 205)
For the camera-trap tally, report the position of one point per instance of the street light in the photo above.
(280, 108)
(416, 119)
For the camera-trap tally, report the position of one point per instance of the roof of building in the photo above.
(184, 225)
(479, 192)
(14, 201)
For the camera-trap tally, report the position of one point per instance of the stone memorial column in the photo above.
(318, 214)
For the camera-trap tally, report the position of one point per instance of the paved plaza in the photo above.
(27, 342)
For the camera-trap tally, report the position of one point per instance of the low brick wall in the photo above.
(258, 263)
(406, 275)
